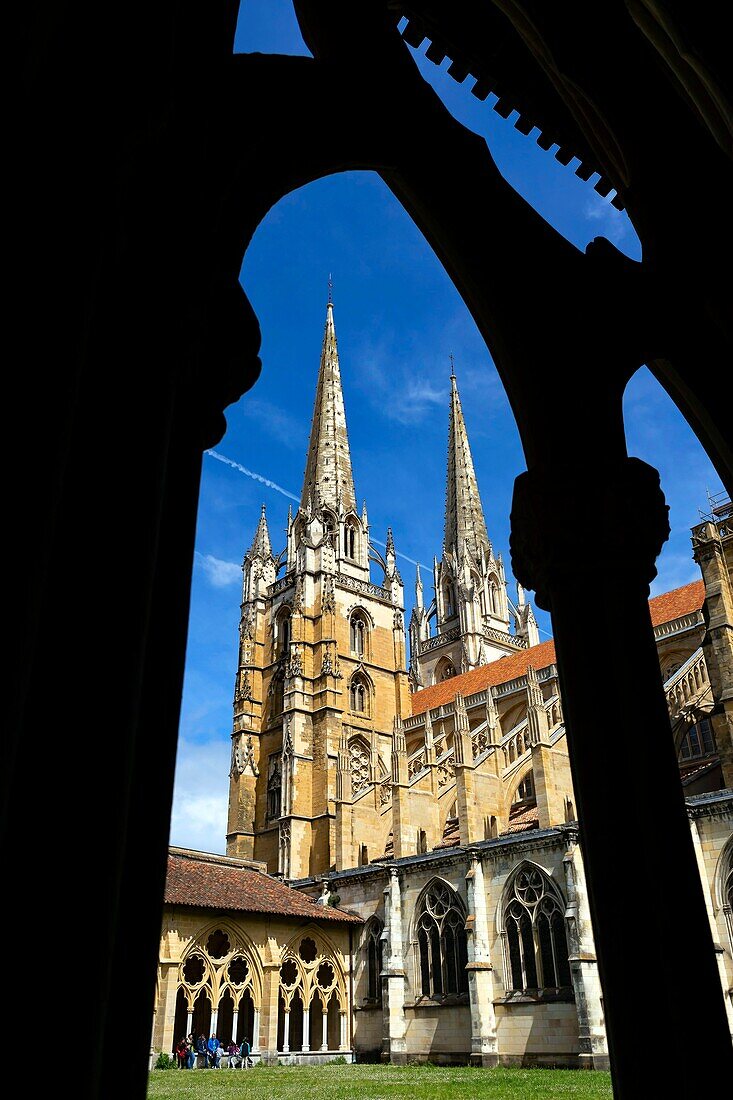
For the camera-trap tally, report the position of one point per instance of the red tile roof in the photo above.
(218, 882)
(662, 609)
(678, 602)
(498, 672)
(522, 820)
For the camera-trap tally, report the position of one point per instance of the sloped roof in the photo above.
(498, 672)
(662, 609)
(522, 820)
(680, 601)
(218, 882)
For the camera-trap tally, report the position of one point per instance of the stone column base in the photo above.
(594, 1061)
(487, 1061)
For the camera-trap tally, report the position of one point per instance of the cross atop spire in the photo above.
(328, 476)
(464, 515)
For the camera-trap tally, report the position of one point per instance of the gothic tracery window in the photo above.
(350, 538)
(360, 764)
(441, 938)
(534, 924)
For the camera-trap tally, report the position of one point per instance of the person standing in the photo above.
(234, 1055)
(202, 1049)
(181, 1052)
(190, 1052)
(245, 1051)
(213, 1051)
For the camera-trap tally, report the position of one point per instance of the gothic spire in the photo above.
(464, 516)
(261, 546)
(328, 473)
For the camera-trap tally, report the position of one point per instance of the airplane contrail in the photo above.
(250, 473)
(285, 492)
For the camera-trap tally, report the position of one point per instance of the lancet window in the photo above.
(534, 926)
(359, 694)
(358, 634)
(372, 949)
(274, 784)
(441, 939)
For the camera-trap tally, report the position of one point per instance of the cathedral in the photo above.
(404, 872)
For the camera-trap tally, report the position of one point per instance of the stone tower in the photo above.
(322, 670)
(471, 609)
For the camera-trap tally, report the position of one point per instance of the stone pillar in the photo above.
(592, 1048)
(394, 1047)
(484, 1048)
(256, 1030)
(550, 806)
(268, 1018)
(468, 818)
(324, 1033)
(306, 1028)
(343, 1037)
(344, 841)
(581, 527)
(719, 950)
(712, 548)
(404, 835)
(235, 1021)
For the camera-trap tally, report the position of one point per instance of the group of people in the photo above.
(187, 1051)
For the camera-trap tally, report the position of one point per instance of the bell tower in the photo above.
(470, 610)
(322, 673)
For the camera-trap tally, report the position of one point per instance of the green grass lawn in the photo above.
(378, 1082)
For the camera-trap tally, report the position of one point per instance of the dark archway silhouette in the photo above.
(143, 157)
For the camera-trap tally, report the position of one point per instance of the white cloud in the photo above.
(613, 222)
(220, 574)
(199, 818)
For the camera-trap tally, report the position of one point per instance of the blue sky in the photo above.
(398, 319)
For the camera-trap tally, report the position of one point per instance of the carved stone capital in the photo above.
(580, 521)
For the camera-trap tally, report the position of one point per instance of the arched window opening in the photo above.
(422, 841)
(525, 790)
(276, 695)
(359, 695)
(357, 634)
(351, 540)
(274, 784)
(373, 962)
(441, 937)
(449, 600)
(537, 947)
(444, 670)
(282, 633)
(698, 741)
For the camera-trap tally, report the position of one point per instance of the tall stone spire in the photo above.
(464, 516)
(261, 546)
(328, 477)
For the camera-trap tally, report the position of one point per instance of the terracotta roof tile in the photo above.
(200, 879)
(663, 609)
(522, 820)
(678, 602)
(498, 672)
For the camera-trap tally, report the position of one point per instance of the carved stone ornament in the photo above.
(328, 597)
(295, 665)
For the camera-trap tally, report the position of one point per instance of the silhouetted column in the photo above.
(598, 529)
